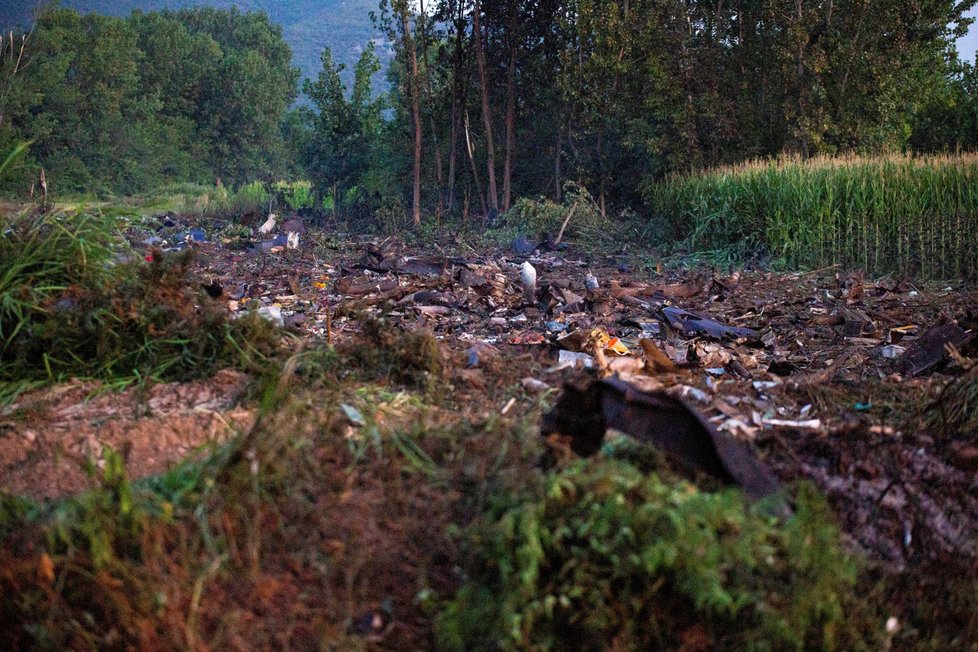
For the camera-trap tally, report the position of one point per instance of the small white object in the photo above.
(273, 314)
(804, 424)
(892, 625)
(268, 225)
(292, 241)
(695, 393)
(591, 281)
(892, 351)
(572, 358)
(508, 406)
(534, 385)
(528, 277)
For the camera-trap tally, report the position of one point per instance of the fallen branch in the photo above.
(563, 226)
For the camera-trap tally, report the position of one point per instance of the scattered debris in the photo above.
(272, 314)
(836, 380)
(803, 424)
(930, 349)
(528, 277)
(668, 423)
(268, 225)
(574, 358)
(691, 323)
(293, 226)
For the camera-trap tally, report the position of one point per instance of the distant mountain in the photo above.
(308, 25)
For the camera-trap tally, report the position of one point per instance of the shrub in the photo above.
(297, 195)
(43, 257)
(251, 198)
(329, 203)
(586, 225)
(602, 556)
(409, 358)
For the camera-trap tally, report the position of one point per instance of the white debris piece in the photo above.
(293, 241)
(534, 385)
(892, 351)
(528, 276)
(273, 314)
(572, 359)
(268, 225)
(804, 424)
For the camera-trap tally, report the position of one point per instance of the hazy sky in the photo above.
(968, 44)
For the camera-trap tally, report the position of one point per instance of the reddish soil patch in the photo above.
(47, 436)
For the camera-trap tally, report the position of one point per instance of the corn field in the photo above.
(902, 214)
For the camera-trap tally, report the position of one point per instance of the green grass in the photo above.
(200, 201)
(163, 557)
(891, 214)
(640, 557)
(75, 301)
(604, 556)
(446, 517)
(43, 257)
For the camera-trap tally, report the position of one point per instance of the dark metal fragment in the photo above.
(930, 348)
(670, 424)
(692, 324)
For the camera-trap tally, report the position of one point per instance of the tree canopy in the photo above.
(121, 105)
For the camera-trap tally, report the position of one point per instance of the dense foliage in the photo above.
(341, 143)
(604, 556)
(307, 25)
(70, 307)
(615, 94)
(122, 105)
(488, 102)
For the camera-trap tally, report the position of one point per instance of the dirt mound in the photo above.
(47, 436)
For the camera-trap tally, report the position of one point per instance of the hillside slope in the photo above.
(308, 25)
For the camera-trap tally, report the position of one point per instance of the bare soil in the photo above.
(47, 436)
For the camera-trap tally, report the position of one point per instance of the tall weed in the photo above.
(887, 214)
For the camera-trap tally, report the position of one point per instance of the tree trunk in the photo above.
(429, 98)
(416, 114)
(475, 170)
(456, 105)
(510, 106)
(453, 154)
(557, 150)
(480, 57)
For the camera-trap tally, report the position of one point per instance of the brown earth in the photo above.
(47, 436)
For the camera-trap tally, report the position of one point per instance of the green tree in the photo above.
(242, 99)
(86, 72)
(122, 105)
(346, 131)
